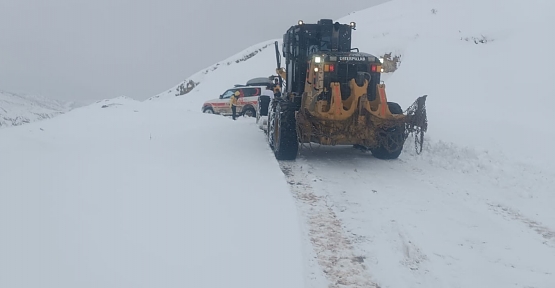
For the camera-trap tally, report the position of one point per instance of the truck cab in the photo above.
(319, 54)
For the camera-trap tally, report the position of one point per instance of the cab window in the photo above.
(227, 94)
(250, 92)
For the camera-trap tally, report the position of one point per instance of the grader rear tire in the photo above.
(394, 137)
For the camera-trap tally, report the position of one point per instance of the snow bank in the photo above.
(129, 194)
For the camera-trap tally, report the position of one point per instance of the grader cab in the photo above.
(331, 95)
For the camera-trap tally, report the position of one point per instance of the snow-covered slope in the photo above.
(221, 71)
(156, 193)
(17, 109)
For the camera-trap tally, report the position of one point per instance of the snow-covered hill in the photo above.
(155, 193)
(18, 109)
(234, 62)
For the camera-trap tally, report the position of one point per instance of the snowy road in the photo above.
(446, 218)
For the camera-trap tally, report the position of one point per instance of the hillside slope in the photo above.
(237, 61)
(17, 109)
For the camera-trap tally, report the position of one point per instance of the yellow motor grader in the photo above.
(331, 94)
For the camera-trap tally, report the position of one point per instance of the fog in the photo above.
(77, 50)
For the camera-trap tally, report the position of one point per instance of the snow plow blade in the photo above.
(375, 124)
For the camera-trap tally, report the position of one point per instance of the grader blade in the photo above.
(417, 122)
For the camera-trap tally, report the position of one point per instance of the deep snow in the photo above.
(133, 195)
(474, 210)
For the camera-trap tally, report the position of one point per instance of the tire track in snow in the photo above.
(333, 249)
(545, 232)
(449, 180)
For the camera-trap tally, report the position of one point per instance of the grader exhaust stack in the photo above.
(333, 96)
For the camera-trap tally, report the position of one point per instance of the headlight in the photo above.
(315, 69)
(317, 59)
(301, 22)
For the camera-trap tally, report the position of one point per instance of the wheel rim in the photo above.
(208, 111)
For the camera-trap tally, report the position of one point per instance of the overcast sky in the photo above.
(86, 50)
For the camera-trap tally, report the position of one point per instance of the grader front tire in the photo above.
(286, 144)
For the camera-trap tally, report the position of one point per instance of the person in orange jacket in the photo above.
(233, 104)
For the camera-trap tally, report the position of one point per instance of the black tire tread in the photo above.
(381, 152)
(249, 109)
(287, 143)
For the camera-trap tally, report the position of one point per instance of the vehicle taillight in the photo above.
(329, 68)
(374, 68)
